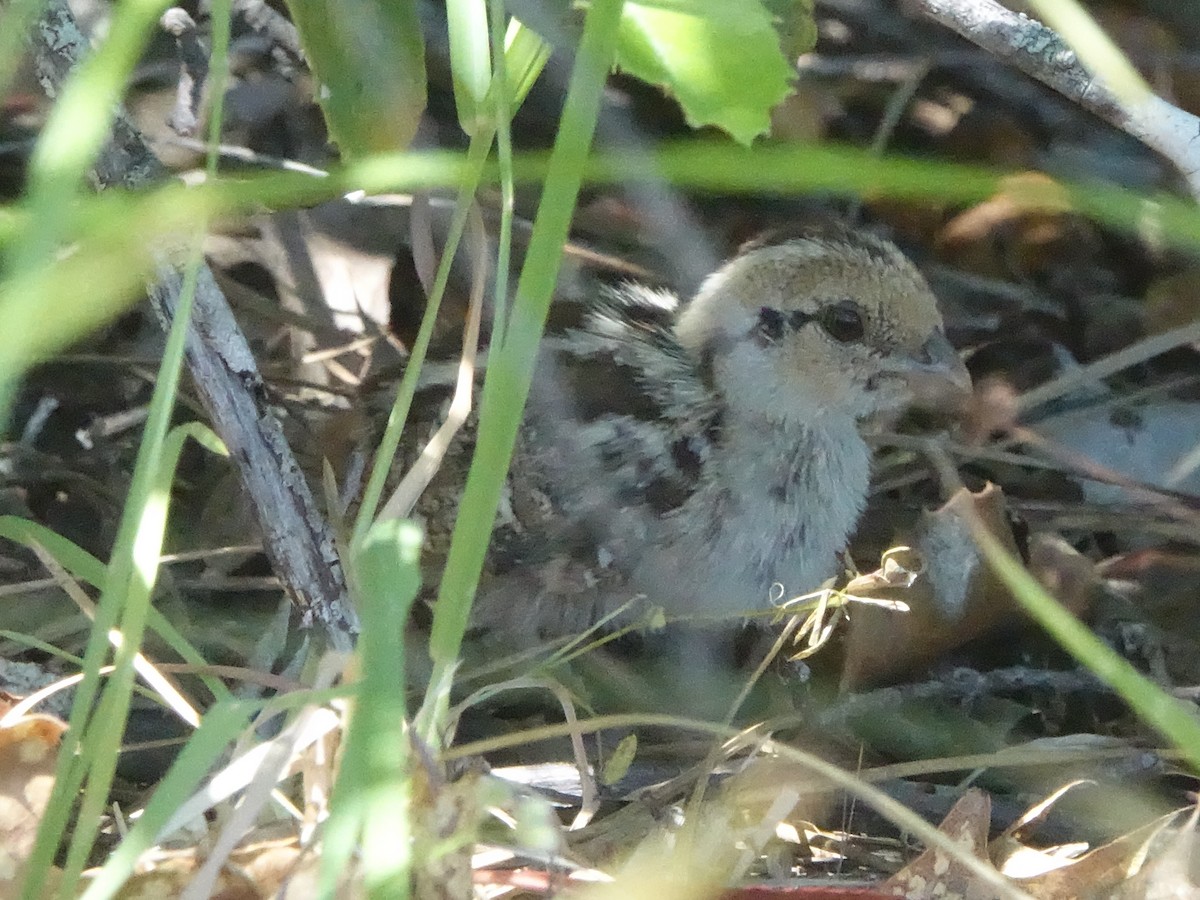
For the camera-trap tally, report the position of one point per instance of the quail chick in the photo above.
(705, 455)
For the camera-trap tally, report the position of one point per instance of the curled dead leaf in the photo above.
(28, 753)
(953, 597)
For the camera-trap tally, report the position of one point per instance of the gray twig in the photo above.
(193, 70)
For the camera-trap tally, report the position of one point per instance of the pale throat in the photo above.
(792, 493)
(787, 462)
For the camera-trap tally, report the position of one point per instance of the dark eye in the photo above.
(843, 321)
(770, 323)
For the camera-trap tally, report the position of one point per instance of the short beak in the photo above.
(938, 380)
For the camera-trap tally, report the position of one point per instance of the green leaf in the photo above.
(470, 62)
(723, 62)
(372, 799)
(369, 59)
(795, 24)
(617, 766)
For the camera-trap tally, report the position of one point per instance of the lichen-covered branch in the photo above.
(296, 537)
(1041, 53)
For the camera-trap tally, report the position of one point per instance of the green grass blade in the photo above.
(510, 371)
(220, 725)
(1161, 711)
(71, 556)
(133, 569)
(372, 799)
(1096, 49)
(85, 567)
(373, 493)
(105, 728)
(470, 63)
(500, 96)
(525, 55)
(369, 58)
(77, 127)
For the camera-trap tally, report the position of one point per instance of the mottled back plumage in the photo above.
(705, 457)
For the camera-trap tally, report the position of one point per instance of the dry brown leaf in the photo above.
(1151, 861)
(1167, 874)
(1064, 572)
(169, 877)
(264, 865)
(1100, 873)
(1027, 227)
(28, 752)
(955, 600)
(1015, 858)
(282, 868)
(933, 874)
(770, 790)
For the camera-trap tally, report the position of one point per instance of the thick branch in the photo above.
(296, 538)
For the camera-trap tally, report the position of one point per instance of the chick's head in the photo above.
(814, 327)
